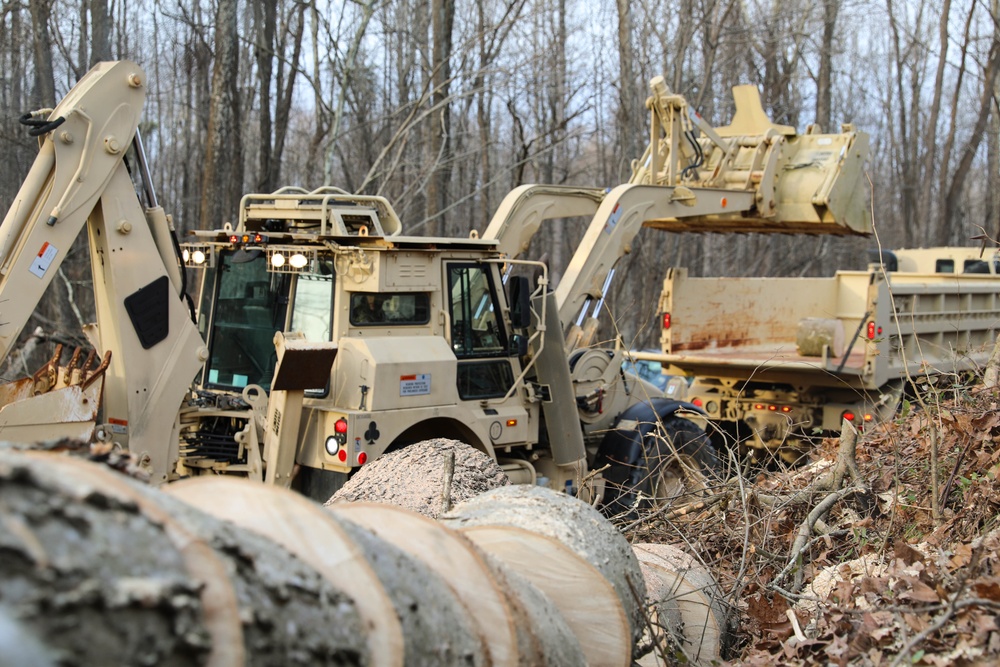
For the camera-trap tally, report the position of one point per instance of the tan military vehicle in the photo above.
(324, 336)
(777, 361)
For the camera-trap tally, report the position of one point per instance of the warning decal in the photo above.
(415, 385)
(44, 258)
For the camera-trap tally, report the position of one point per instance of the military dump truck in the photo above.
(776, 361)
(324, 336)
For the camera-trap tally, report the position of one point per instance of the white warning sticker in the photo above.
(415, 385)
(44, 258)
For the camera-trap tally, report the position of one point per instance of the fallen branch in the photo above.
(832, 482)
(806, 527)
(668, 512)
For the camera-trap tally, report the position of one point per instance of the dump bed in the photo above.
(858, 329)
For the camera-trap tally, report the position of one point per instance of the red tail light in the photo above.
(340, 426)
(848, 415)
(362, 458)
(871, 331)
(697, 402)
(666, 321)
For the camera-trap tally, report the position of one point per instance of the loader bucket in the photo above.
(811, 183)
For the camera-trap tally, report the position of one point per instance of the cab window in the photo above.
(395, 308)
(475, 331)
(312, 307)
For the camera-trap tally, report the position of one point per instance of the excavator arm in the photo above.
(750, 176)
(80, 179)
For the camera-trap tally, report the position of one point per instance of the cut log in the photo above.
(572, 523)
(413, 477)
(310, 533)
(436, 626)
(584, 598)
(543, 635)
(815, 333)
(678, 586)
(455, 560)
(109, 571)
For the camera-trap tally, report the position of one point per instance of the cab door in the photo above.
(478, 336)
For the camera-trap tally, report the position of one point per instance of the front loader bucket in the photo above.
(809, 183)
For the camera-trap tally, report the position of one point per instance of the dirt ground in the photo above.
(886, 576)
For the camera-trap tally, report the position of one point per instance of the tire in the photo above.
(658, 462)
(681, 461)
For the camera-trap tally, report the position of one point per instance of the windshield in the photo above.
(250, 306)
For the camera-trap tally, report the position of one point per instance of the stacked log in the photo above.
(99, 569)
(416, 477)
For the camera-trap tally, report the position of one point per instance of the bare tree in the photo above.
(222, 179)
(44, 91)
(439, 144)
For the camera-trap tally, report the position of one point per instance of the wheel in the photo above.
(680, 460)
(657, 461)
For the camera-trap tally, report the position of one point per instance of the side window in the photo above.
(975, 266)
(395, 308)
(944, 266)
(475, 331)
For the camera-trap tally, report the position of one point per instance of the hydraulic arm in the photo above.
(750, 176)
(80, 179)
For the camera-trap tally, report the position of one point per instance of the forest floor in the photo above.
(886, 576)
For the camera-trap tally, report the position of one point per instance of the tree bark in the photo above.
(442, 23)
(44, 92)
(629, 92)
(100, 31)
(222, 179)
(824, 83)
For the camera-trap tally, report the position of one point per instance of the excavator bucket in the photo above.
(810, 183)
(56, 402)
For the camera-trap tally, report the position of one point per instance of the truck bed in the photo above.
(747, 328)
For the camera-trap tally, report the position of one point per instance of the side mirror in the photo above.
(519, 345)
(519, 297)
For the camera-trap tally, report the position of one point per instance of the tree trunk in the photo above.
(265, 18)
(824, 83)
(285, 89)
(442, 22)
(100, 22)
(222, 179)
(44, 93)
(629, 93)
(956, 187)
